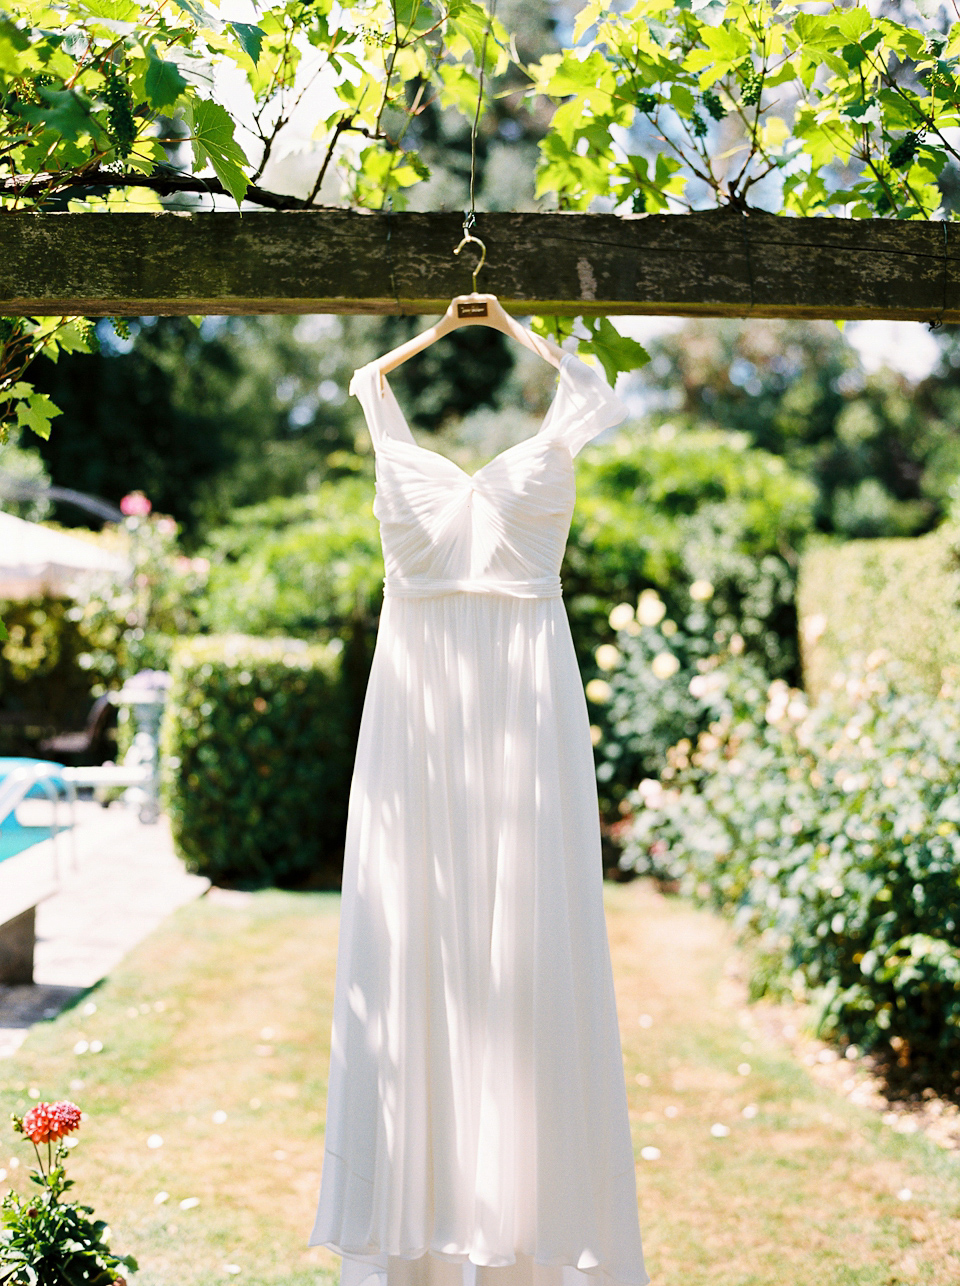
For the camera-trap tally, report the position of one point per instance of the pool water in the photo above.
(14, 839)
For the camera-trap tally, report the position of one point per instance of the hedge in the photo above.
(256, 742)
(898, 597)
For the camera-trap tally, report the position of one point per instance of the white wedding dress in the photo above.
(477, 1130)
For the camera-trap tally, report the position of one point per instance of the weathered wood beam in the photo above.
(717, 264)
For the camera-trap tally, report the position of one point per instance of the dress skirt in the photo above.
(477, 1124)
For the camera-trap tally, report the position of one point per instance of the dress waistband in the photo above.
(424, 587)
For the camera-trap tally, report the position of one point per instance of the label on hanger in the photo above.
(471, 310)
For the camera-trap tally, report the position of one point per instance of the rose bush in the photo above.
(832, 837)
(648, 698)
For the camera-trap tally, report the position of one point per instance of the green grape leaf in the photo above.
(74, 337)
(113, 10)
(472, 22)
(195, 10)
(213, 141)
(614, 351)
(64, 110)
(163, 82)
(35, 412)
(250, 37)
(13, 43)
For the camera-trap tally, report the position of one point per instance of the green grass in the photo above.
(804, 1193)
(212, 982)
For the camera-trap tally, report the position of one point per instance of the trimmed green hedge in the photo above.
(257, 751)
(899, 597)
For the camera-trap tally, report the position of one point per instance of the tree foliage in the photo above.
(884, 454)
(668, 105)
(201, 419)
(664, 106)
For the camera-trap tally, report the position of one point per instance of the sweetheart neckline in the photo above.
(534, 437)
(472, 477)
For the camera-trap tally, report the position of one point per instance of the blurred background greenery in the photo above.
(773, 516)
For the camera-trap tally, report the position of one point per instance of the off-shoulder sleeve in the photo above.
(585, 405)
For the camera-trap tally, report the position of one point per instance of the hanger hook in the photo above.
(468, 237)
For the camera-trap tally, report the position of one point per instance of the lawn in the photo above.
(215, 1040)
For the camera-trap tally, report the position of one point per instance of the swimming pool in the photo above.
(14, 837)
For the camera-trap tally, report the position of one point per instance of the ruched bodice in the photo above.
(501, 530)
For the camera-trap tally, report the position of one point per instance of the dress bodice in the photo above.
(501, 530)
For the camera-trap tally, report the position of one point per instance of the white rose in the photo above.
(607, 656)
(621, 616)
(664, 665)
(599, 691)
(813, 628)
(651, 608)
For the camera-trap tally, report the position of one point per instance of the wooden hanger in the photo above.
(472, 310)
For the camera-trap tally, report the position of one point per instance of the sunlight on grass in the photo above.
(206, 1097)
(204, 1141)
(762, 1178)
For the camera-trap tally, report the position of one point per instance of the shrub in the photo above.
(643, 705)
(898, 595)
(302, 567)
(833, 838)
(665, 510)
(132, 622)
(48, 673)
(305, 567)
(257, 746)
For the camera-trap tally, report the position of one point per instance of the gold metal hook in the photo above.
(468, 237)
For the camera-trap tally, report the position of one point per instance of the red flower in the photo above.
(48, 1122)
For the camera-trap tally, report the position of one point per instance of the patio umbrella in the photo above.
(35, 560)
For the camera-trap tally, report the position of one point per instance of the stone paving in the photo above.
(119, 883)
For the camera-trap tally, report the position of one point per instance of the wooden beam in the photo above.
(716, 264)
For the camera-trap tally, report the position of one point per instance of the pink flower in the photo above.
(48, 1122)
(135, 505)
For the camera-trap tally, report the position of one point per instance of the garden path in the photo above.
(124, 881)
